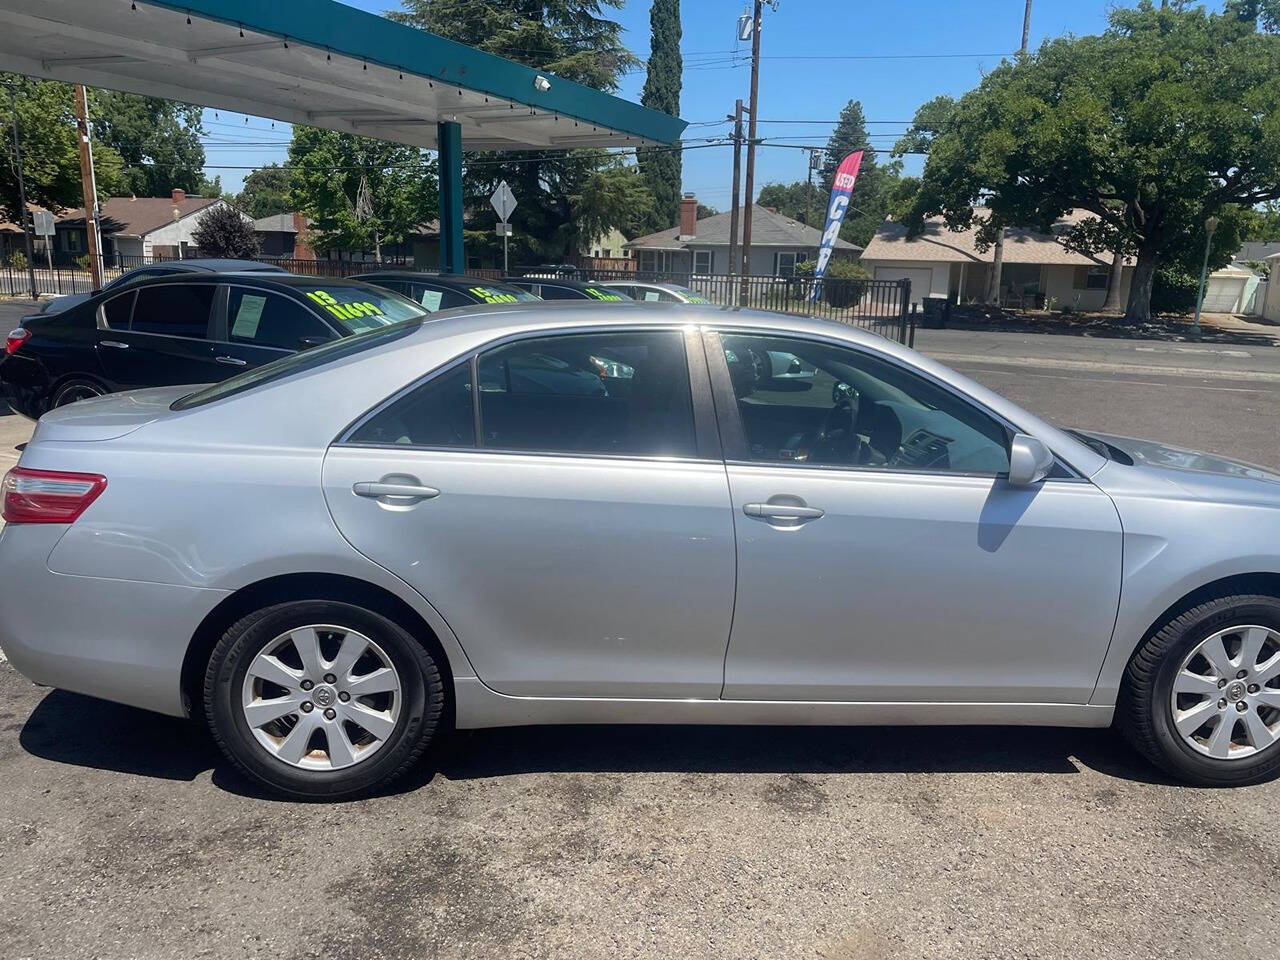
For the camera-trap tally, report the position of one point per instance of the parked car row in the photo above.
(199, 321)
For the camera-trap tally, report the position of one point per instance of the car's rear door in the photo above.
(569, 518)
(882, 553)
(167, 339)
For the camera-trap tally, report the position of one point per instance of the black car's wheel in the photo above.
(1202, 694)
(321, 700)
(77, 388)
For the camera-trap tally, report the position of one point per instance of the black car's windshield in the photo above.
(297, 363)
(360, 307)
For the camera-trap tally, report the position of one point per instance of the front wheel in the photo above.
(1202, 694)
(318, 699)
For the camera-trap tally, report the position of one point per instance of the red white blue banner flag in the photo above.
(841, 187)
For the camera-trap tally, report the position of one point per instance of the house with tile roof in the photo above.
(133, 227)
(701, 247)
(1039, 268)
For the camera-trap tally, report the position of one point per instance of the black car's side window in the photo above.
(270, 320)
(175, 309)
(606, 393)
(802, 401)
(437, 413)
(117, 311)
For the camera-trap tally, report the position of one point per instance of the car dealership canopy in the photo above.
(321, 63)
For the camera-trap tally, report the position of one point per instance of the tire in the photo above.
(1146, 712)
(334, 763)
(77, 388)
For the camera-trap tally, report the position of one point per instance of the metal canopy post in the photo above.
(450, 144)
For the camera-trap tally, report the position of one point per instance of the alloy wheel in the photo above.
(322, 697)
(1226, 694)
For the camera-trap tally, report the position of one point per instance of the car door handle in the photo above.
(113, 343)
(234, 361)
(409, 491)
(782, 511)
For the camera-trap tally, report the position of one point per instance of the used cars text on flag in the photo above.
(841, 187)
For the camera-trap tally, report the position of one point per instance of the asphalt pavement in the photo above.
(124, 835)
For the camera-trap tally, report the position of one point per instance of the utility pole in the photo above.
(810, 220)
(997, 260)
(749, 199)
(737, 170)
(89, 186)
(22, 194)
(1026, 29)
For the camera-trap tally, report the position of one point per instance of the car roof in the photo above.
(568, 282)
(673, 287)
(256, 276)
(217, 265)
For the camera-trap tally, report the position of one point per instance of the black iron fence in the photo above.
(882, 306)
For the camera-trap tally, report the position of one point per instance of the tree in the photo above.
(661, 166)
(1170, 116)
(869, 203)
(360, 193)
(571, 39)
(801, 200)
(266, 192)
(603, 193)
(1262, 224)
(222, 231)
(50, 152)
(705, 210)
(158, 140)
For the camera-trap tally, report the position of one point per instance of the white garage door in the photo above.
(1222, 294)
(921, 280)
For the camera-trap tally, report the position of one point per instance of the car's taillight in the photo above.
(48, 496)
(15, 339)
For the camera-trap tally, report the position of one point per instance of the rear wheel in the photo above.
(322, 700)
(77, 388)
(1202, 695)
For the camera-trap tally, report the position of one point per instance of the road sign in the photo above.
(504, 229)
(44, 222)
(504, 201)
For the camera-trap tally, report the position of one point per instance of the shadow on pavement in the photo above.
(80, 731)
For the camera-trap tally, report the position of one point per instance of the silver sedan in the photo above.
(638, 513)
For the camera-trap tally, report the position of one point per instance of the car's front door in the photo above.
(569, 519)
(882, 554)
(261, 326)
(166, 340)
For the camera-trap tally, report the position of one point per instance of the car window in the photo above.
(296, 363)
(802, 401)
(613, 393)
(271, 320)
(176, 309)
(357, 307)
(117, 311)
(135, 276)
(437, 413)
(547, 292)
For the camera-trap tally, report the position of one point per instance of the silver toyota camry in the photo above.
(633, 513)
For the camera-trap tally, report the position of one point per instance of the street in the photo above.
(126, 835)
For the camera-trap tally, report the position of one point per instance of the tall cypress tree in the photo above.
(661, 167)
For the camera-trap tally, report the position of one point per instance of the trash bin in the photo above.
(934, 310)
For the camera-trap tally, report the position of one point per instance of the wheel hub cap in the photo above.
(321, 697)
(1225, 701)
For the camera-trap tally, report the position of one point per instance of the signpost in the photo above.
(504, 202)
(44, 228)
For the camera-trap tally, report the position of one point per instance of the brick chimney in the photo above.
(688, 217)
(179, 195)
(302, 249)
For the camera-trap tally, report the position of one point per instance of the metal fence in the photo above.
(882, 306)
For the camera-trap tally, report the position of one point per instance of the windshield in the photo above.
(361, 307)
(690, 296)
(501, 293)
(298, 363)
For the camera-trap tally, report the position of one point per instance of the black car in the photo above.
(190, 328)
(164, 269)
(556, 288)
(439, 291)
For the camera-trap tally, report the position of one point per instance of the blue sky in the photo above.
(808, 73)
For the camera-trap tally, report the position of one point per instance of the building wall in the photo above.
(1271, 302)
(1061, 284)
(174, 236)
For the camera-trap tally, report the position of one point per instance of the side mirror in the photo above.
(1029, 460)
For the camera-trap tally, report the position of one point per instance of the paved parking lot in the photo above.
(124, 835)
